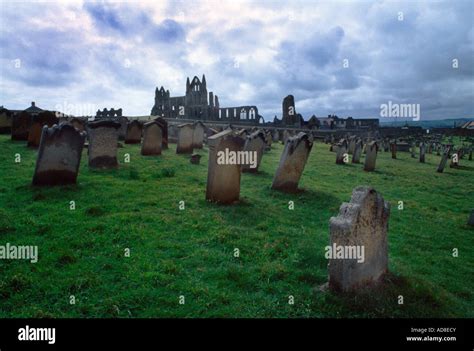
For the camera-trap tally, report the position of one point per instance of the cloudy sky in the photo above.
(345, 58)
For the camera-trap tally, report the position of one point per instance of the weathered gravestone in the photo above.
(122, 132)
(185, 139)
(254, 144)
(292, 163)
(134, 133)
(352, 142)
(444, 160)
(422, 152)
(341, 155)
(393, 149)
(6, 118)
(79, 123)
(21, 126)
(59, 155)
(358, 239)
(103, 140)
(198, 135)
(357, 151)
(164, 131)
(370, 157)
(45, 118)
(223, 175)
(152, 139)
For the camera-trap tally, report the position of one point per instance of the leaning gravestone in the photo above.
(255, 144)
(134, 133)
(444, 160)
(152, 139)
(59, 155)
(103, 140)
(21, 126)
(198, 135)
(370, 157)
(164, 131)
(341, 152)
(45, 118)
(361, 227)
(292, 163)
(185, 139)
(357, 151)
(223, 176)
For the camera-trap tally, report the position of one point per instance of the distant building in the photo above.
(198, 104)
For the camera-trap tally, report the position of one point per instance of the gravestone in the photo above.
(103, 140)
(45, 118)
(134, 133)
(164, 131)
(185, 139)
(78, 123)
(352, 142)
(6, 118)
(152, 139)
(195, 159)
(292, 163)
(59, 155)
(422, 152)
(444, 160)
(198, 135)
(362, 226)
(370, 157)
(21, 126)
(122, 132)
(341, 152)
(357, 151)
(254, 143)
(393, 149)
(223, 180)
(454, 160)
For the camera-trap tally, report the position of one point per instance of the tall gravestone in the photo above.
(103, 139)
(370, 157)
(254, 143)
(357, 151)
(21, 123)
(134, 133)
(122, 132)
(5, 121)
(352, 142)
(152, 139)
(292, 163)
(422, 152)
(185, 139)
(45, 118)
(393, 149)
(198, 135)
(59, 155)
(444, 160)
(223, 178)
(361, 226)
(164, 131)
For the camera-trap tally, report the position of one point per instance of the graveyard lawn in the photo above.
(190, 252)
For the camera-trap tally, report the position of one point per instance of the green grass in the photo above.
(191, 252)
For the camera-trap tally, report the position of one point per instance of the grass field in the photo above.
(190, 252)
